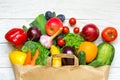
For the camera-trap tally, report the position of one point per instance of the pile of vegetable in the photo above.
(47, 36)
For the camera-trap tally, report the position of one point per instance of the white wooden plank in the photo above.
(6, 74)
(114, 73)
(5, 49)
(82, 9)
(5, 62)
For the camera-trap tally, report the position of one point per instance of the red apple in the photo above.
(90, 32)
(53, 25)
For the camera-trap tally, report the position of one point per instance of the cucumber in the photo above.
(105, 55)
(40, 22)
(82, 58)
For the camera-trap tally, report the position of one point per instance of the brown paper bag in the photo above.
(75, 72)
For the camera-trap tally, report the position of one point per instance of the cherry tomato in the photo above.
(109, 34)
(65, 29)
(61, 42)
(72, 21)
(76, 30)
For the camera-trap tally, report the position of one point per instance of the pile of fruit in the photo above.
(48, 36)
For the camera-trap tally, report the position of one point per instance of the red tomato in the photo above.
(61, 42)
(76, 30)
(65, 29)
(109, 34)
(72, 21)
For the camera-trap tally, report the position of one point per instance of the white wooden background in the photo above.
(15, 13)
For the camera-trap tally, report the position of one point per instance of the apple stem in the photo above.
(57, 33)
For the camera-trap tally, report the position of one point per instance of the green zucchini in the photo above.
(82, 58)
(105, 55)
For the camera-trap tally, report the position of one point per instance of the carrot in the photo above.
(28, 58)
(34, 57)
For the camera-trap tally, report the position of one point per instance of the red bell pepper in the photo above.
(16, 36)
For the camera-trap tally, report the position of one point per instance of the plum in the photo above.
(34, 33)
(61, 17)
(68, 50)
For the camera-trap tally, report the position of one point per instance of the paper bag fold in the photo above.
(82, 72)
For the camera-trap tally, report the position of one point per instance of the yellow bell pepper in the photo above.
(17, 57)
(54, 50)
(56, 62)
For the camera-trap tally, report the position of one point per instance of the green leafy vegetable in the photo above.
(44, 52)
(40, 22)
(25, 28)
(73, 40)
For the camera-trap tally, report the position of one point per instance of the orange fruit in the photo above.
(90, 50)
